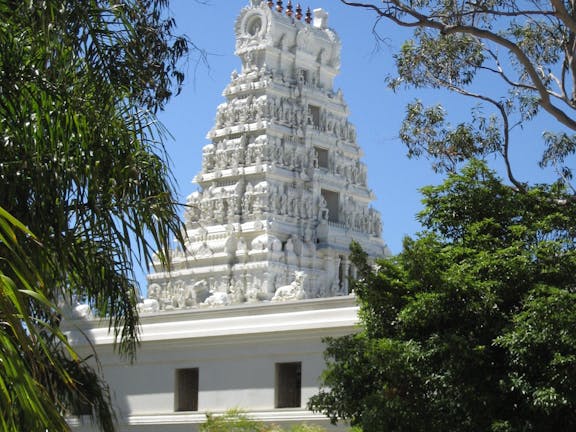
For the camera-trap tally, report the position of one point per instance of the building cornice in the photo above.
(338, 314)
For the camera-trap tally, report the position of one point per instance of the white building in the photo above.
(239, 321)
(263, 357)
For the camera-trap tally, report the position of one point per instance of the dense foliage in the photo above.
(472, 327)
(515, 59)
(235, 420)
(85, 192)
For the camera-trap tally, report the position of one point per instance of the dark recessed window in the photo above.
(332, 202)
(314, 112)
(322, 155)
(186, 395)
(288, 385)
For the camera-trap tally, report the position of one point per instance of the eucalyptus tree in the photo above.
(515, 58)
(85, 188)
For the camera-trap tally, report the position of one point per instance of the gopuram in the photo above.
(240, 319)
(282, 191)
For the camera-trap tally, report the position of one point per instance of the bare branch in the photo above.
(505, 127)
(500, 72)
(425, 21)
(563, 15)
(545, 101)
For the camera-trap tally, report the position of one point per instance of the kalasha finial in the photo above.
(308, 16)
(279, 6)
(270, 3)
(289, 8)
(298, 11)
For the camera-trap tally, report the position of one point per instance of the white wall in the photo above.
(236, 367)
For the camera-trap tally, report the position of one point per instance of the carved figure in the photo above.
(216, 299)
(252, 295)
(154, 291)
(289, 247)
(237, 291)
(148, 305)
(294, 291)
(200, 291)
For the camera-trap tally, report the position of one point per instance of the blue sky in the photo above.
(375, 110)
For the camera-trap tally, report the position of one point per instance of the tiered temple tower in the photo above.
(282, 193)
(282, 190)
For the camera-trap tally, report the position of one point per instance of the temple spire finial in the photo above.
(289, 9)
(308, 16)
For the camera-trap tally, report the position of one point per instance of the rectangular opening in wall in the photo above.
(332, 202)
(342, 282)
(314, 113)
(186, 395)
(288, 385)
(322, 155)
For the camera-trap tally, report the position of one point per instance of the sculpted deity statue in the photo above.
(216, 299)
(294, 291)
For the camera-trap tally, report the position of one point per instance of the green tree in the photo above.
(515, 58)
(85, 189)
(472, 327)
(233, 420)
(236, 420)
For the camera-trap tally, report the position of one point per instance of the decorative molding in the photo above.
(258, 319)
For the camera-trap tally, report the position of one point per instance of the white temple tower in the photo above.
(282, 189)
(282, 193)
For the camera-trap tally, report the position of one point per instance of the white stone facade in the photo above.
(282, 190)
(235, 350)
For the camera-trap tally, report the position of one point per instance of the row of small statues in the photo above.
(256, 78)
(283, 110)
(179, 295)
(222, 204)
(289, 153)
(245, 197)
(221, 208)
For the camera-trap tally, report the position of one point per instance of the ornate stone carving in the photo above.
(148, 306)
(280, 140)
(217, 299)
(294, 291)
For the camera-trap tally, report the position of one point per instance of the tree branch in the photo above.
(505, 128)
(563, 15)
(483, 34)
